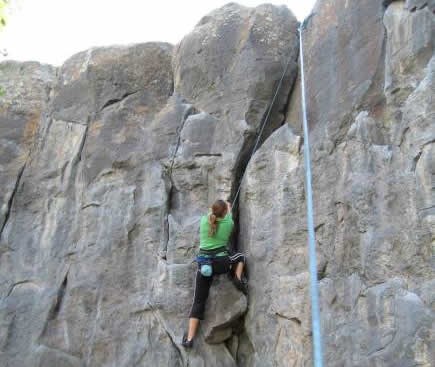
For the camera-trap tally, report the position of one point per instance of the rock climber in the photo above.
(213, 259)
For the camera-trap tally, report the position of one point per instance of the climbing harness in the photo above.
(205, 259)
(314, 291)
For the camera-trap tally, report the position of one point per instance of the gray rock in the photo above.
(409, 48)
(76, 244)
(109, 162)
(95, 257)
(25, 89)
(372, 163)
(343, 60)
(212, 62)
(223, 316)
(381, 325)
(414, 5)
(272, 232)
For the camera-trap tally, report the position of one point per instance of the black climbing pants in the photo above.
(220, 265)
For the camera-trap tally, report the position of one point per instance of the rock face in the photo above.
(370, 87)
(108, 162)
(25, 93)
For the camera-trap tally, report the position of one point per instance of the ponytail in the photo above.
(218, 210)
(212, 220)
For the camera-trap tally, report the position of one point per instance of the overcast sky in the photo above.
(50, 31)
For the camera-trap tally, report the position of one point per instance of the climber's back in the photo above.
(215, 229)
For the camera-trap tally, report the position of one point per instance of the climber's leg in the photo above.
(239, 270)
(238, 260)
(193, 328)
(202, 288)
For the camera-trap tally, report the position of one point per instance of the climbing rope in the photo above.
(278, 87)
(314, 291)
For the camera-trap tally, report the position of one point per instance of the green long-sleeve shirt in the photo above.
(221, 237)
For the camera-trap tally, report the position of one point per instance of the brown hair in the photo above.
(218, 210)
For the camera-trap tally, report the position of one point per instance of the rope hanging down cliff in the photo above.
(314, 291)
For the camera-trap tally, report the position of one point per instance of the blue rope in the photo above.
(314, 291)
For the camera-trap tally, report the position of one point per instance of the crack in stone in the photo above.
(9, 333)
(76, 159)
(387, 3)
(82, 143)
(191, 110)
(171, 339)
(55, 307)
(91, 204)
(415, 161)
(247, 151)
(428, 208)
(59, 299)
(207, 155)
(117, 100)
(75, 122)
(94, 329)
(26, 281)
(11, 198)
(293, 319)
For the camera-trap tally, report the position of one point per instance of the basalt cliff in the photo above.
(108, 162)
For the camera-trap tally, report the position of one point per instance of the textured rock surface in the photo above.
(370, 85)
(129, 148)
(107, 163)
(25, 92)
(273, 231)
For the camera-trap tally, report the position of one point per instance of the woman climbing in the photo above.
(213, 259)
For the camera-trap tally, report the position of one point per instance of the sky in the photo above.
(50, 31)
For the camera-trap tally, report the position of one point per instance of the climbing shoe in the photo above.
(187, 343)
(241, 284)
